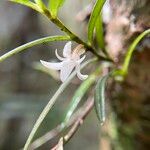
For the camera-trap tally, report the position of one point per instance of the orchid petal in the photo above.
(80, 60)
(55, 66)
(59, 57)
(79, 75)
(66, 69)
(67, 49)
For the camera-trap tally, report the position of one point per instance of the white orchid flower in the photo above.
(70, 61)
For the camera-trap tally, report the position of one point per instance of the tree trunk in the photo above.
(130, 99)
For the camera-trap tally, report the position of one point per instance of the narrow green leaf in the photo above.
(80, 92)
(99, 32)
(33, 43)
(130, 51)
(54, 5)
(27, 3)
(95, 13)
(40, 4)
(99, 98)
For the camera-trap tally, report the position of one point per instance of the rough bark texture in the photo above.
(129, 18)
(131, 104)
(130, 99)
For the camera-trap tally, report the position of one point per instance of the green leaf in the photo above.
(95, 13)
(40, 4)
(33, 43)
(99, 32)
(27, 3)
(99, 98)
(54, 5)
(24, 2)
(130, 51)
(80, 92)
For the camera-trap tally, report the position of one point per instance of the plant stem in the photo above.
(43, 10)
(59, 128)
(88, 107)
(85, 110)
(74, 37)
(50, 104)
(33, 43)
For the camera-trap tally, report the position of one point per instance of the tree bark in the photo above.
(130, 99)
(129, 18)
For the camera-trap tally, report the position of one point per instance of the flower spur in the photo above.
(70, 61)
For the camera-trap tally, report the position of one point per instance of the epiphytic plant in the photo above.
(72, 60)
